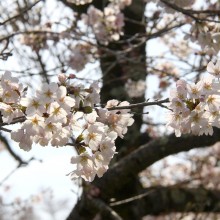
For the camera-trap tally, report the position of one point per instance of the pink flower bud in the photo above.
(181, 84)
(72, 76)
(62, 78)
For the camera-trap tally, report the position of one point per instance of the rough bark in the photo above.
(155, 201)
(177, 199)
(136, 151)
(117, 68)
(123, 172)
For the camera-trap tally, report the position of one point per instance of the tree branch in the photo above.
(121, 173)
(20, 14)
(143, 104)
(12, 153)
(190, 13)
(178, 199)
(128, 167)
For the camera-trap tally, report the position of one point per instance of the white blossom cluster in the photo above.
(82, 53)
(39, 37)
(35, 41)
(207, 35)
(135, 88)
(122, 3)
(64, 110)
(196, 106)
(99, 147)
(107, 25)
(79, 2)
(179, 3)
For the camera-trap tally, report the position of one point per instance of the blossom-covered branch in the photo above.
(143, 104)
(59, 111)
(196, 106)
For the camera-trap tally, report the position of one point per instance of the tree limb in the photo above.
(128, 167)
(123, 172)
(178, 199)
(20, 13)
(10, 150)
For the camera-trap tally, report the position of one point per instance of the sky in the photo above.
(51, 173)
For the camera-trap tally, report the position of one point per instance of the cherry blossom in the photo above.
(60, 111)
(33, 106)
(48, 92)
(9, 113)
(214, 69)
(107, 25)
(80, 2)
(196, 107)
(93, 135)
(22, 138)
(82, 53)
(101, 164)
(65, 101)
(121, 3)
(85, 167)
(33, 124)
(117, 120)
(56, 113)
(135, 88)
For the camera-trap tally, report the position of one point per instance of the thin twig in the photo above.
(189, 13)
(21, 13)
(16, 120)
(21, 164)
(5, 129)
(104, 208)
(142, 104)
(12, 153)
(131, 199)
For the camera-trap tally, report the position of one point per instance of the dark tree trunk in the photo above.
(117, 67)
(121, 181)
